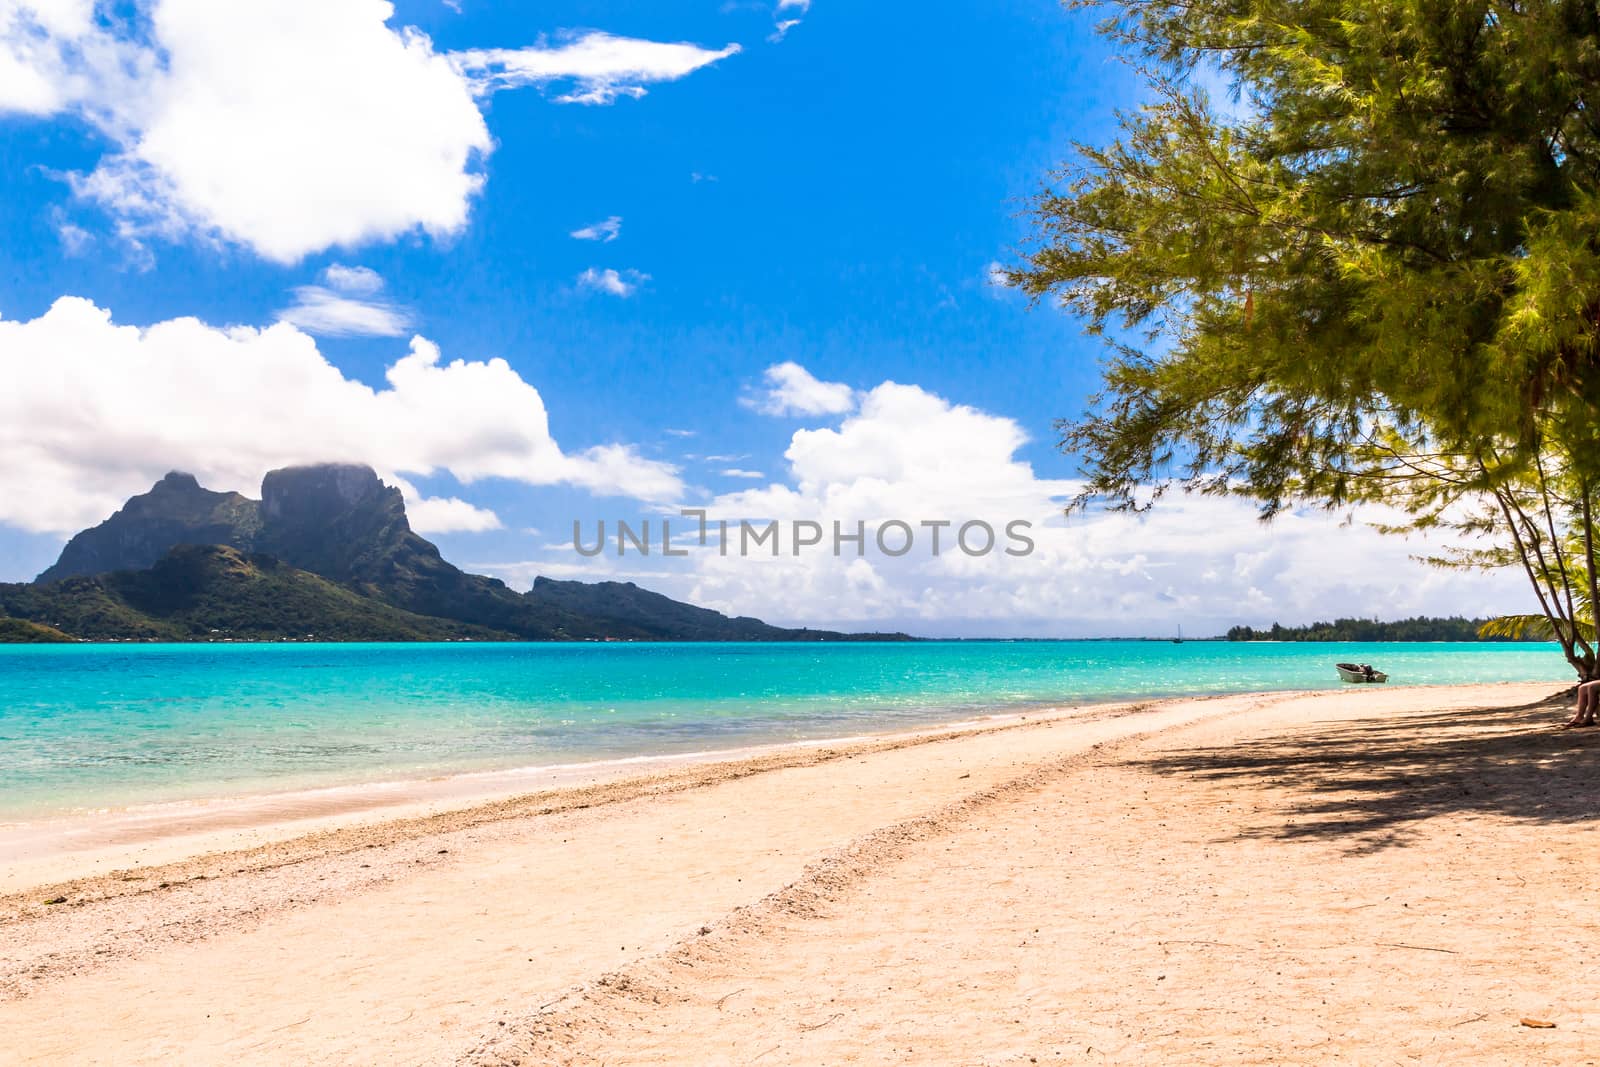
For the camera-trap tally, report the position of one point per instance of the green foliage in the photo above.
(1420, 628)
(1403, 225)
(1525, 628)
(217, 593)
(1375, 278)
(22, 632)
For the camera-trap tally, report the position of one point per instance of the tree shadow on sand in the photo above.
(1374, 780)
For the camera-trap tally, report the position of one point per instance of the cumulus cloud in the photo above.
(93, 412)
(793, 390)
(352, 279)
(605, 232)
(781, 30)
(440, 515)
(599, 67)
(907, 454)
(288, 126)
(347, 305)
(53, 56)
(616, 283)
(1201, 562)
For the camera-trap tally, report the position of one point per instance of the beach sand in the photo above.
(1374, 875)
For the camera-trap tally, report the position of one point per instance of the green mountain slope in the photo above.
(208, 592)
(22, 632)
(175, 511)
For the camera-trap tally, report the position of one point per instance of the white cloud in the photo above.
(75, 240)
(792, 390)
(680, 433)
(605, 232)
(347, 307)
(440, 515)
(782, 27)
(51, 54)
(322, 311)
(288, 126)
(352, 279)
(1199, 562)
(599, 66)
(739, 472)
(623, 284)
(93, 412)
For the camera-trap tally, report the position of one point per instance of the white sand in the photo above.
(1364, 876)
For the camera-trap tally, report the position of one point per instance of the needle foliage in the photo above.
(1364, 267)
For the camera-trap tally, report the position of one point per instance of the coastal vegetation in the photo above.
(1420, 628)
(22, 632)
(1349, 254)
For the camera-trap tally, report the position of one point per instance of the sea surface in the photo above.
(85, 727)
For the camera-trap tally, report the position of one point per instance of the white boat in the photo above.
(1359, 672)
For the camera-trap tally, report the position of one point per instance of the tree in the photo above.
(1376, 276)
(1530, 510)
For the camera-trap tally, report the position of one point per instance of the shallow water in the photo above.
(91, 726)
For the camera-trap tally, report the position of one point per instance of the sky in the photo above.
(548, 266)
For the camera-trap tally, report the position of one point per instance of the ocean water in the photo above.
(84, 727)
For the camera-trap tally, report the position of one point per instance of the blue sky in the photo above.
(830, 198)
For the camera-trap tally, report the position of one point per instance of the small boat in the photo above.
(1359, 672)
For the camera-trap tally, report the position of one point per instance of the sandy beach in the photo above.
(1395, 875)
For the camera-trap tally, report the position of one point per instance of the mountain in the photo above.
(327, 550)
(175, 511)
(624, 604)
(199, 592)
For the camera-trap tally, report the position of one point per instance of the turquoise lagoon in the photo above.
(91, 726)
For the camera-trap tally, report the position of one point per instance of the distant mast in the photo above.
(1179, 639)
